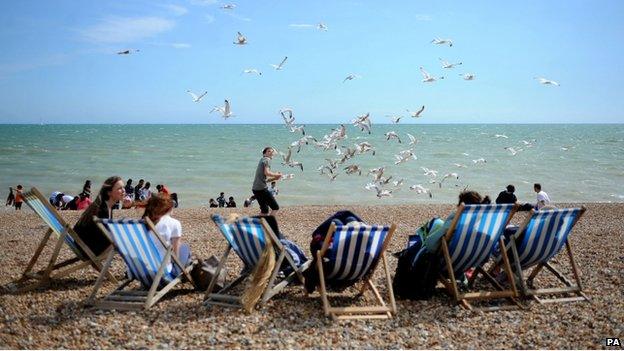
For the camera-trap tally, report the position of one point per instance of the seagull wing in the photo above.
(195, 98)
(424, 73)
(283, 61)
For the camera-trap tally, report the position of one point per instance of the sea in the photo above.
(572, 162)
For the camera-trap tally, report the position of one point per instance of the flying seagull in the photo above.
(228, 7)
(127, 52)
(545, 81)
(427, 78)
(240, 39)
(195, 97)
(281, 65)
(252, 71)
(439, 41)
(446, 64)
(351, 77)
(468, 76)
(417, 113)
(225, 110)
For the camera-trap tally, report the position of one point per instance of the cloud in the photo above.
(114, 30)
(176, 9)
(210, 18)
(423, 17)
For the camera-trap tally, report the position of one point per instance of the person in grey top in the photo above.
(263, 176)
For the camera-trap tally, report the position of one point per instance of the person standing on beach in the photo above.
(221, 200)
(137, 190)
(542, 197)
(19, 198)
(129, 188)
(11, 198)
(262, 177)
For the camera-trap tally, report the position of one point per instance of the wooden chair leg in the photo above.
(100, 279)
(323, 291)
(35, 257)
(213, 281)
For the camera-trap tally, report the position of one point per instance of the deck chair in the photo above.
(63, 233)
(137, 242)
(248, 238)
(540, 238)
(350, 254)
(469, 242)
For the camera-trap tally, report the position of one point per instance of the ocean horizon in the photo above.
(573, 162)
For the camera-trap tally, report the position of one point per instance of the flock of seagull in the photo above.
(344, 162)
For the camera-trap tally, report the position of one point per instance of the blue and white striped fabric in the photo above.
(354, 250)
(139, 249)
(545, 234)
(50, 219)
(245, 235)
(477, 231)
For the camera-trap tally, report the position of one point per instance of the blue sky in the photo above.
(59, 61)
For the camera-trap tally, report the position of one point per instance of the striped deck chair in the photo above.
(540, 238)
(469, 243)
(350, 254)
(248, 237)
(138, 242)
(63, 233)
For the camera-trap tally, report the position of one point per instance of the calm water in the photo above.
(199, 161)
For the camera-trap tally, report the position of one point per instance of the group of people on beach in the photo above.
(15, 199)
(221, 202)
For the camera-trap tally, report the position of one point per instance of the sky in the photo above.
(59, 62)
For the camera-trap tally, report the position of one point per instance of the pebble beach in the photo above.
(55, 317)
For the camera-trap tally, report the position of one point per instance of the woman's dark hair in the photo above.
(107, 187)
(264, 151)
(147, 185)
(92, 210)
(471, 197)
(511, 188)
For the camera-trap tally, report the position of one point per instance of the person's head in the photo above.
(511, 188)
(231, 198)
(87, 183)
(141, 181)
(471, 197)
(76, 198)
(157, 206)
(19, 187)
(273, 184)
(222, 193)
(112, 189)
(537, 187)
(147, 185)
(159, 187)
(11, 189)
(83, 195)
(268, 152)
(59, 197)
(211, 201)
(129, 182)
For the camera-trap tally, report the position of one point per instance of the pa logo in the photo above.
(615, 342)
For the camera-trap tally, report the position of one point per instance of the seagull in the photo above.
(353, 169)
(392, 135)
(240, 39)
(468, 76)
(446, 64)
(420, 189)
(566, 147)
(460, 165)
(351, 77)
(225, 110)
(363, 122)
(397, 183)
(294, 129)
(289, 162)
(417, 113)
(439, 41)
(412, 139)
(395, 119)
(228, 7)
(429, 172)
(511, 150)
(127, 52)
(377, 172)
(252, 71)
(428, 78)
(195, 97)
(546, 81)
(382, 192)
(364, 147)
(448, 175)
(479, 161)
(404, 156)
(528, 143)
(281, 65)
(322, 26)
(501, 136)
(287, 115)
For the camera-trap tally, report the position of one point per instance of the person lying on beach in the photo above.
(158, 210)
(11, 198)
(84, 200)
(110, 194)
(213, 203)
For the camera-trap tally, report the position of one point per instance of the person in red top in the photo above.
(84, 201)
(162, 189)
(19, 198)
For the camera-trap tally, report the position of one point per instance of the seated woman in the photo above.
(110, 194)
(158, 210)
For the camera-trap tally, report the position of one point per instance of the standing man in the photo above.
(221, 199)
(542, 197)
(262, 177)
(129, 188)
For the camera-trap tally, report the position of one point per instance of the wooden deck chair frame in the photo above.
(225, 297)
(31, 279)
(380, 311)
(526, 284)
(124, 299)
(450, 282)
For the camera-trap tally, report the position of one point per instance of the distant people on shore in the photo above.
(10, 198)
(162, 189)
(111, 193)
(273, 189)
(84, 201)
(86, 188)
(174, 197)
(231, 202)
(249, 201)
(146, 193)
(137, 190)
(260, 189)
(19, 198)
(221, 200)
(507, 196)
(543, 199)
(213, 203)
(129, 189)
